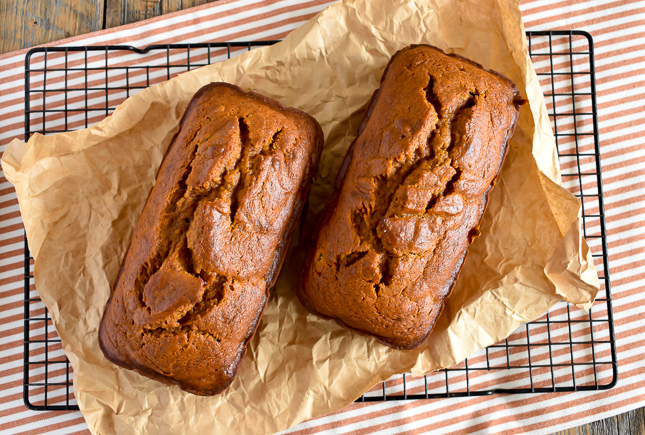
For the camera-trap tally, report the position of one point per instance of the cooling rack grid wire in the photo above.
(568, 349)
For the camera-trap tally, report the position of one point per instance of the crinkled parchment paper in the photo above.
(81, 194)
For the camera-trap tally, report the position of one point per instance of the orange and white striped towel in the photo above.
(617, 28)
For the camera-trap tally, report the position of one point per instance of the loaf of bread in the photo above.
(211, 239)
(410, 195)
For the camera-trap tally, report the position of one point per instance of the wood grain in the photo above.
(25, 23)
(130, 11)
(629, 423)
(178, 5)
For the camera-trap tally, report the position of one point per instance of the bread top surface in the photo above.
(410, 195)
(210, 239)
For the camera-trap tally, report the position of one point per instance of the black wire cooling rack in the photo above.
(568, 349)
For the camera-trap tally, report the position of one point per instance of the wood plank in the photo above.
(25, 23)
(178, 5)
(113, 15)
(632, 422)
(120, 12)
(629, 423)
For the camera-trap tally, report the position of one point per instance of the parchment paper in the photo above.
(81, 194)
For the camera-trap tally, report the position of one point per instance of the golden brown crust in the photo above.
(211, 239)
(410, 195)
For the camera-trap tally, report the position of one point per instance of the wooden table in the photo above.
(25, 23)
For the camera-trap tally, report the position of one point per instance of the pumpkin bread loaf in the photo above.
(211, 239)
(410, 195)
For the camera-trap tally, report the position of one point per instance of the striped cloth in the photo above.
(619, 40)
